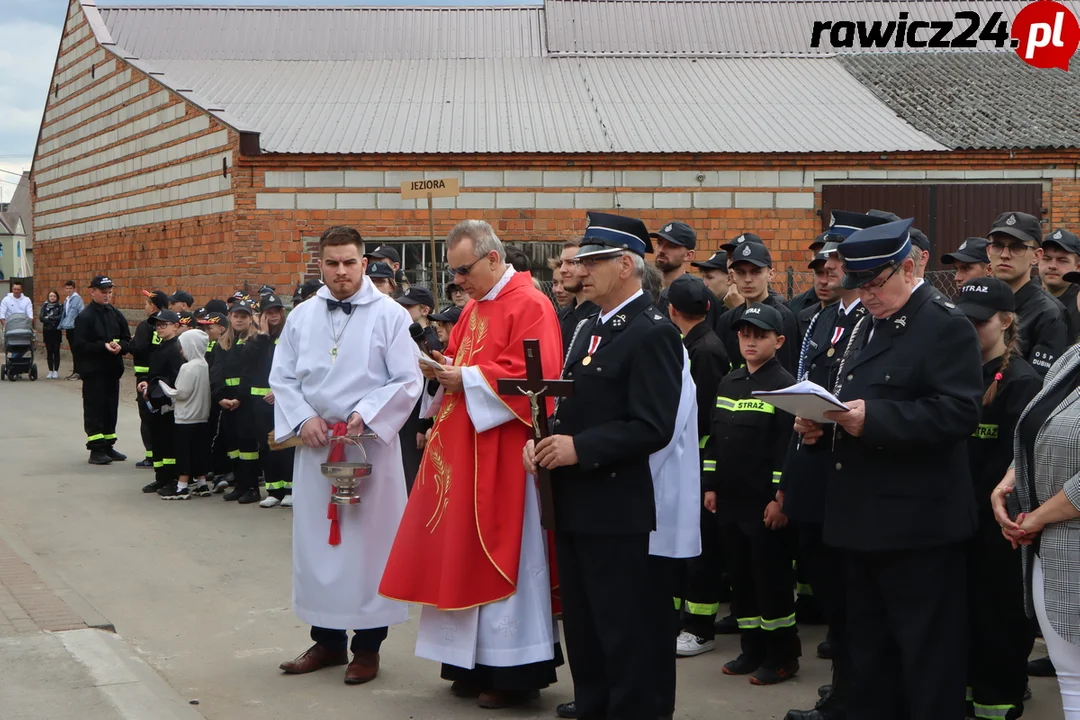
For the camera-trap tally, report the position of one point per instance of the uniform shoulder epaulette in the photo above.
(947, 303)
(653, 314)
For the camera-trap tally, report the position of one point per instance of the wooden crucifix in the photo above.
(537, 389)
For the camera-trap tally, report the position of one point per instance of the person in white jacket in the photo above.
(191, 415)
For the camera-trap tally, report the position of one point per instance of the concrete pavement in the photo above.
(199, 590)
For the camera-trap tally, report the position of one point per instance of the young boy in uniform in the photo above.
(165, 363)
(750, 439)
(144, 343)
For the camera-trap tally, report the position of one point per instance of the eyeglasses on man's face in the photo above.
(465, 269)
(1015, 248)
(590, 263)
(873, 287)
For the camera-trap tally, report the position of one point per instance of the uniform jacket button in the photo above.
(839, 466)
(598, 368)
(595, 465)
(612, 474)
(850, 376)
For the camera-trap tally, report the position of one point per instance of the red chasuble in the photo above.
(459, 542)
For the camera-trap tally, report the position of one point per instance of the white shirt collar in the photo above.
(604, 317)
(854, 304)
(918, 282)
(494, 292)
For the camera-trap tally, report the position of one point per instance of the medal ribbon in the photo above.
(337, 454)
(594, 342)
(836, 335)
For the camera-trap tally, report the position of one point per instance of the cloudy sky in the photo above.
(29, 36)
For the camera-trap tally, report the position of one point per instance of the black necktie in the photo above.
(343, 306)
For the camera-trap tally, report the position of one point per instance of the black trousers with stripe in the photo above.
(277, 465)
(100, 398)
(163, 439)
(245, 447)
(145, 425)
(759, 561)
(701, 588)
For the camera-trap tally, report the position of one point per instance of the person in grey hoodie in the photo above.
(191, 415)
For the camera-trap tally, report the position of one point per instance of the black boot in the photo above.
(99, 457)
(118, 456)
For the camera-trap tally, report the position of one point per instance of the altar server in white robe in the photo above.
(344, 357)
(676, 475)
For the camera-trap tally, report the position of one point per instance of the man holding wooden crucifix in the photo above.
(627, 371)
(470, 547)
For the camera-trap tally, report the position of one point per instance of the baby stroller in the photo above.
(18, 348)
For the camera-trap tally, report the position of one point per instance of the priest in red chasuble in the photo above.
(470, 548)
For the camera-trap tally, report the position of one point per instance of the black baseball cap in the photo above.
(451, 288)
(678, 233)
(101, 282)
(972, 250)
(242, 305)
(417, 296)
(238, 295)
(166, 316)
(688, 295)
(214, 318)
(751, 252)
(187, 319)
(270, 301)
(309, 288)
(1018, 225)
(745, 237)
(182, 296)
(1064, 239)
(717, 262)
(819, 260)
(379, 270)
(157, 297)
(762, 316)
(917, 236)
(450, 315)
(384, 252)
(819, 242)
(216, 306)
(981, 298)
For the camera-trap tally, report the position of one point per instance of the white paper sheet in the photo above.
(806, 399)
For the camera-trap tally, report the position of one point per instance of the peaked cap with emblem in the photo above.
(608, 234)
(270, 301)
(379, 270)
(741, 240)
(753, 253)
(1064, 239)
(981, 298)
(866, 253)
(842, 223)
(678, 233)
(1018, 225)
(166, 316)
(972, 250)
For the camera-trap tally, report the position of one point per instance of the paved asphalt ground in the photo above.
(198, 591)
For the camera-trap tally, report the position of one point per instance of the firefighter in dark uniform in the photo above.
(258, 357)
(165, 362)
(101, 339)
(143, 343)
(239, 424)
(806, 303)
(1061, 251)
(627, 369)
(750, 438)
(900, 502)
(689, 308)
(1014, 248)
(1000, 637)
(678, 240)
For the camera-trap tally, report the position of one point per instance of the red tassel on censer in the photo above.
(337, 454)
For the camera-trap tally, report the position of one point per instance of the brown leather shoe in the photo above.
(502, 699)
(363, 668)
(315, 658)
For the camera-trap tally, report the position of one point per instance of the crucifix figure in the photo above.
(537, 389)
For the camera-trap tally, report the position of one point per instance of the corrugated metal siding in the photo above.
(734, 27)
(237, 33)
(545, 106)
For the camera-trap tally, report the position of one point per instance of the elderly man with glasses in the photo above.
(1014, 249)
(470, 548)
(901, 504)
